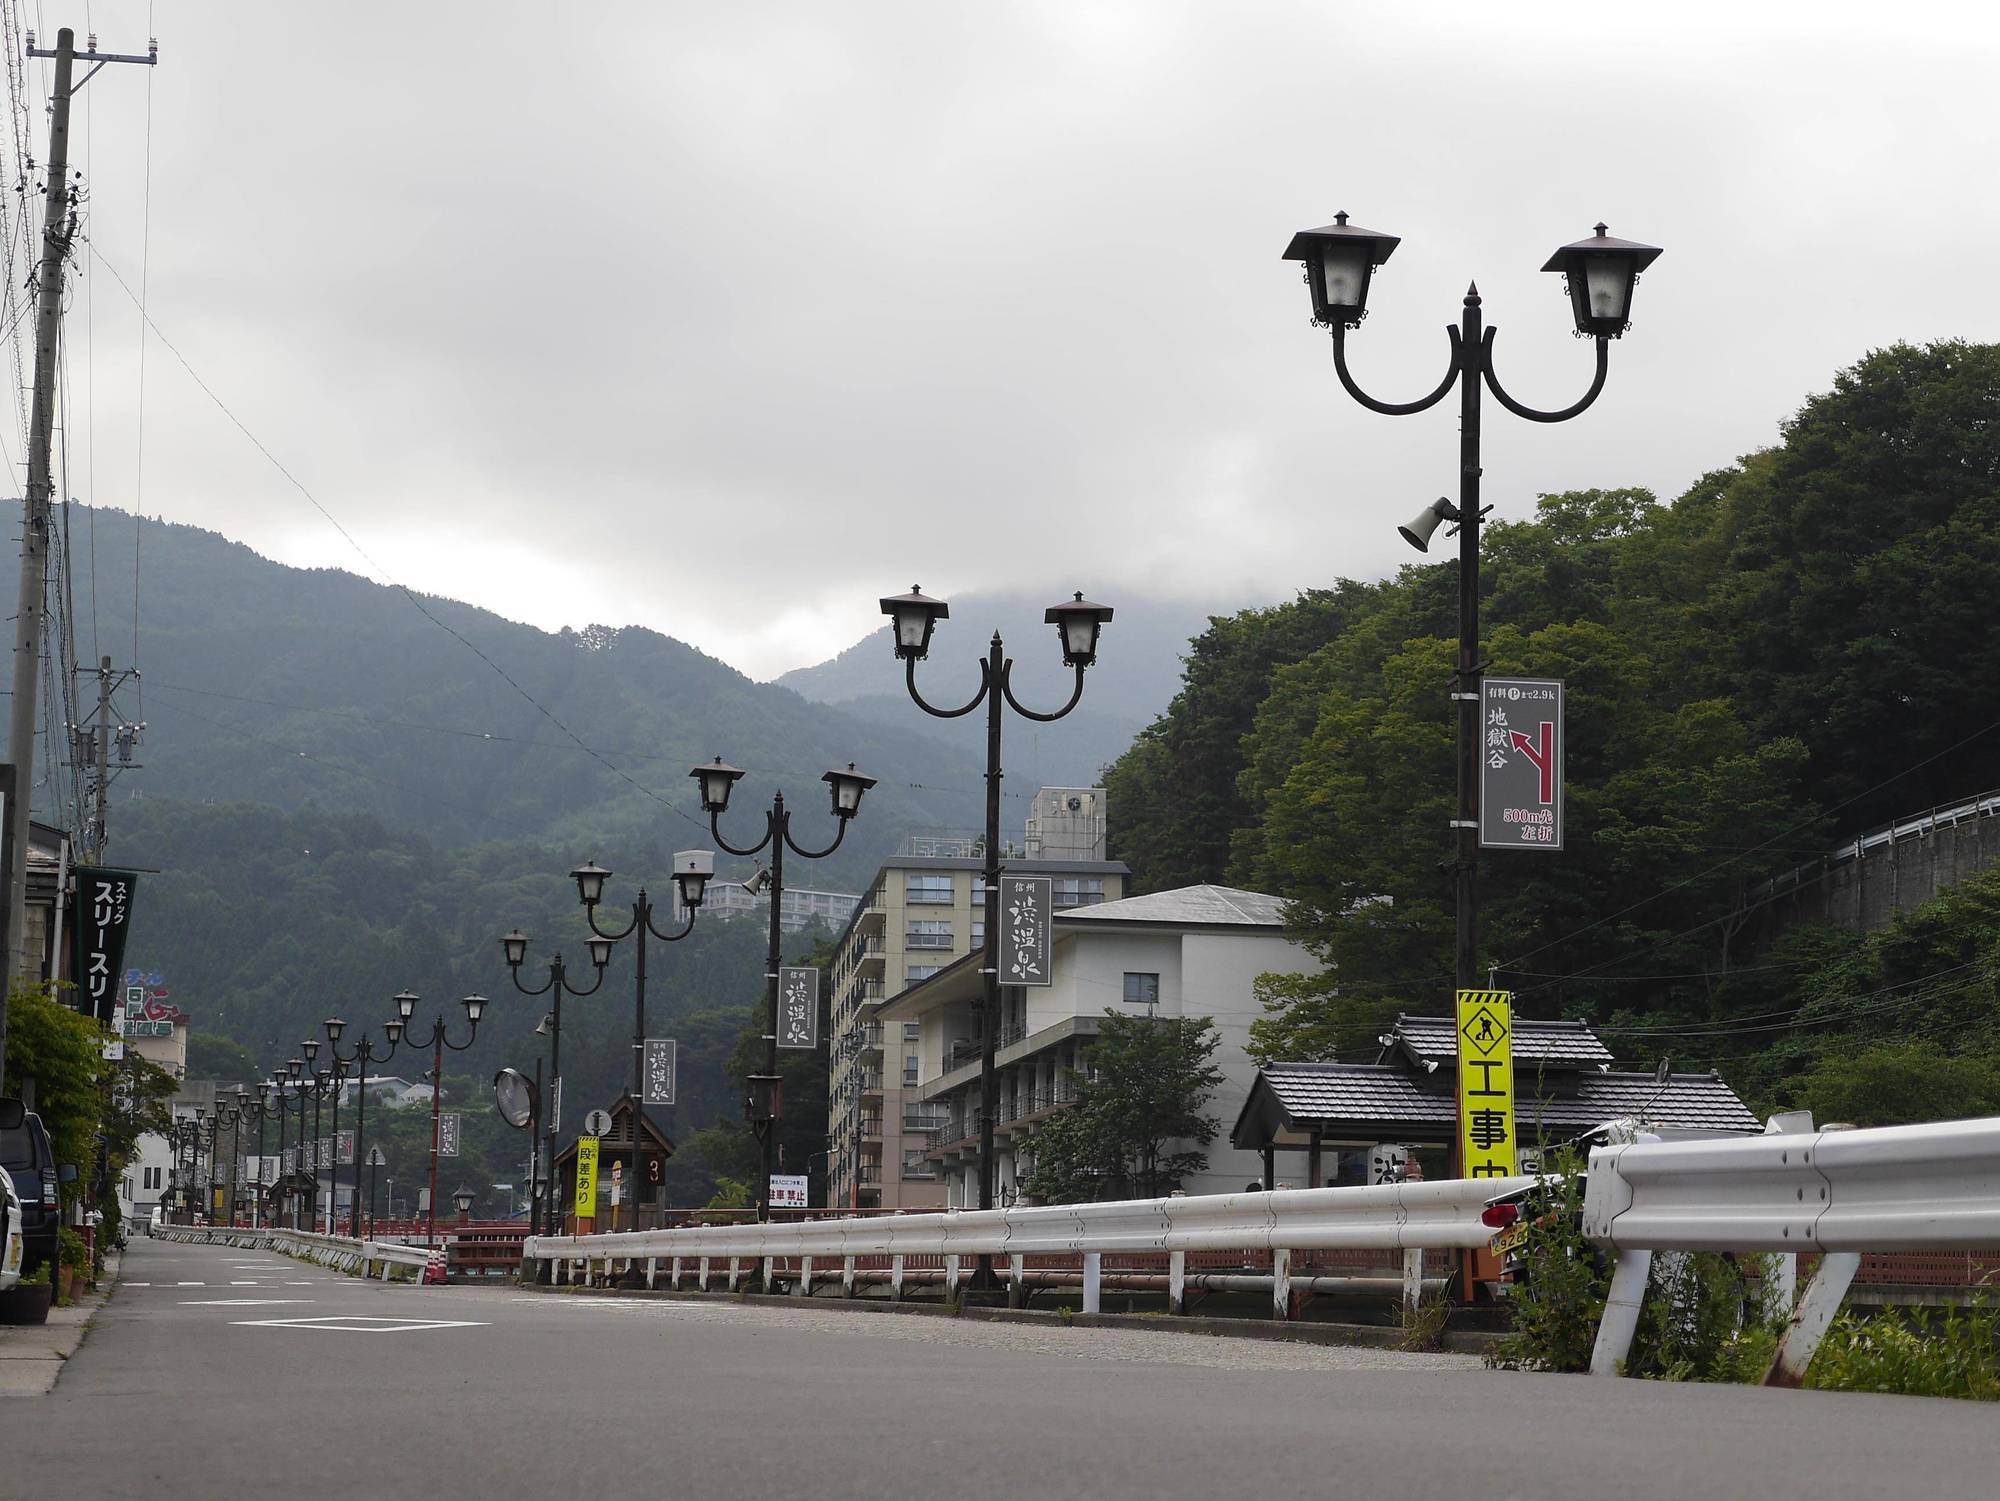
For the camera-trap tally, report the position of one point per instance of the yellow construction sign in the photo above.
(586, 1177)
(1486, 1084)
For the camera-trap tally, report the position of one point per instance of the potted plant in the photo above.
(27, 1302)
(75, 1269)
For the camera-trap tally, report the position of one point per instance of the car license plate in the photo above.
(1510, 1238)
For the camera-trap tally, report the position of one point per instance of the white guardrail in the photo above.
(336, 1251)
(1932, 1187)
(1405, 1218)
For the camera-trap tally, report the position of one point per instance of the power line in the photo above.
(1753, 849)
(380, 571)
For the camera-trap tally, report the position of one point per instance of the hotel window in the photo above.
(927, 890)
(1079, 891)
(916, 972)
(1142, 989)
(927, 935)
(912, 1031)
(911, 1063)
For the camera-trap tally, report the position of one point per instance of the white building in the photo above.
(1193, 952)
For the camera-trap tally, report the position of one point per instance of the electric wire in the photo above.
(382, 573)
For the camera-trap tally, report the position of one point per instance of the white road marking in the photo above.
(138, 1284)
(307, 1283)
(238, 1302)
(246, 1284)
(191, 1284)
(358, 1324)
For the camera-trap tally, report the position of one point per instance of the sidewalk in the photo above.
(32, 1355)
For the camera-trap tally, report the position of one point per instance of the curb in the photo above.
(1376, 1336)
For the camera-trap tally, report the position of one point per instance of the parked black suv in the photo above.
(25, 1153)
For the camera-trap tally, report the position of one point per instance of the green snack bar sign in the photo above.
(99, 921)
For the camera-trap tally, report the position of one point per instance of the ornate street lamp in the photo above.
(514, 946)
(1078, 623)
(1599, 274)
(717, 780)
(692, 872)
(437, 1042)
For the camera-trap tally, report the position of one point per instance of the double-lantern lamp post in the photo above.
(764, 1099)
(326, 1085)
(437, 1042)
(514, 946)
(260, 1108)
(1599, 274)
(692, 871)
(364, 1054)
(1078, 625)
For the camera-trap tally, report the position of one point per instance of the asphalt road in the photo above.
(199, 1379)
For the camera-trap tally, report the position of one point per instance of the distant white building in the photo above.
(1193, 952)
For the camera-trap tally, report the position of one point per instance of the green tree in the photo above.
(1898, 1083)
(1144, 1094)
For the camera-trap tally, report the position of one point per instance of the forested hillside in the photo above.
(1799, 646)
(302, 688)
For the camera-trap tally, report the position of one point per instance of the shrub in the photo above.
(1915, 1352)
(1557, 1304)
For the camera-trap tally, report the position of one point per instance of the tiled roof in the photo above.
(1328, 1093)
(1216, 905)
(1537, 1045)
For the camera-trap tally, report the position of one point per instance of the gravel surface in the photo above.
(1153, 1346)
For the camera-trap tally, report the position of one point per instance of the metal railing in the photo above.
(1399, 1218)
(1911, 826)
(1921, 1188)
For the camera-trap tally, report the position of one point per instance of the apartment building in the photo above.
(1196, 951)
(924, 910)
(799, 907)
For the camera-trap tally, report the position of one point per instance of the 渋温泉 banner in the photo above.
(660, 1065)
(1026, 905)
(1521, 763)
(99, 921)
(1486, 1084)
(798, 1007)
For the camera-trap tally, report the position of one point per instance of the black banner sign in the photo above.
(100, 919)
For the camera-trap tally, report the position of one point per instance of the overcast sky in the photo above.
(726, 319)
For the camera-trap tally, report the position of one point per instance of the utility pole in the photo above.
(58, 233)
(92, 747)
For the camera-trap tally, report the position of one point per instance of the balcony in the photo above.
(871, 1126)
(870, 1081)
(868, 1037)
(942, 941)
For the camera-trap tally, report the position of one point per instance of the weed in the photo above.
(1423, 1325)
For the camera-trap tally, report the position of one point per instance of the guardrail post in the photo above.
(1621, 1312)
(1413, 1277)
(770, 1273)
(652, 1271)
(701, 1276)
(1017, 1281)
(1281, 1285)
(895, 1279)
(847, 1277)
(1177, 1282)
(805, 1287)
(951, 1276)
(674, 1274)
(734, 1271)
(1093, 1281)
(1811, 1319)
